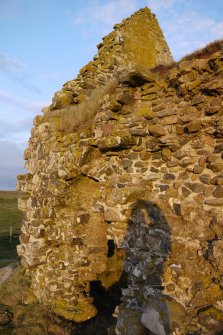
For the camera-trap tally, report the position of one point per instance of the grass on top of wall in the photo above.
(206, 52)
(79, 117)
(202, 53)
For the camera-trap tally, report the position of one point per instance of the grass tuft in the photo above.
(205, 52)
(81, 116)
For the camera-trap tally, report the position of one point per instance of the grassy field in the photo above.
(10, 219)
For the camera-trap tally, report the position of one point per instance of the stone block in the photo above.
(157, 130)
(146, 112)
(218, 192)
(116, 140)
(194, 126)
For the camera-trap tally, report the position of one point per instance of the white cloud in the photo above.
(11, 163)
(184, 28)
(217, 30)
(105, 15)
(190, 31)
(10, 129)
(9, 65)
(14, 69)
(34, 107)
(156, 5)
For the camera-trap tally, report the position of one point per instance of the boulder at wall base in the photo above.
(151, 320)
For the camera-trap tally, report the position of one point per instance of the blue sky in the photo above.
(44, 43)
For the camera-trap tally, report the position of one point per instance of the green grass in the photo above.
(10, 216)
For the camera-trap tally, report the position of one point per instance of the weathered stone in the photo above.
(151, 320)
(194, 126)
(146, 112)
(216, 166)
(163, 187)
(185, 192)
(153, 145)
(169, 120)
(195, 187)
(205, 178)
(179, 130)
(214, 180)
(117, 140)
(129, 319)
(187, 161)
(219, 148)
(138, 132)
(186, 118)
(197, 100)
(169, 176)
(166, 154)
(166, 112)
(171, 193)
(213, 109)
(56, 329)
(220, 181)
(139, 23)
(198, 169)
(216, 102)
(172, 163)
(185, 66)
(199, 64)
(114, 105)
(35, 252)
(145, 156)
(149, 97)
(61, 100)
(134, 76)
(126, 163)
(190, 76)
(157, 130)
(149, 88)
(126, 98)
(23, 238)
(217, 252)
(212, 158)
(214, 202)
(218, 192)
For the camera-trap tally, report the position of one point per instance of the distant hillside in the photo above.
(10, 221)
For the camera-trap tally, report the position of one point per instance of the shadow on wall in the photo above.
(105, 302)
(139, 291)
(147, 245)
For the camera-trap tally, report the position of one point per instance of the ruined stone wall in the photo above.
(136, 42)
(138, 191)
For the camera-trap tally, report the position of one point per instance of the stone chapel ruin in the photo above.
(125, 180)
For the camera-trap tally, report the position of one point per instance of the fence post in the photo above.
(10, 234)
